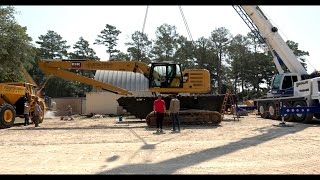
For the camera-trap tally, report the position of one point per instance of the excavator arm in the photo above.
(129, 66)
(56, 68)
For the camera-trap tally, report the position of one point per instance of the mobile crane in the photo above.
(294, 94)
(164, 77)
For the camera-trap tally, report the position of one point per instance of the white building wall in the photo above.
(106, 102)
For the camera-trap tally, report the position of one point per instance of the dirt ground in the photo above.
(103, 146)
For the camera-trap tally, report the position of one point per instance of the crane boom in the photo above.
(274, 40)
(294, 95)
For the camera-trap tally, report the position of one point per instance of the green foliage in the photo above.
(139, 48)
(16, 50)
(299, 53)
(165, 44)
(82, 51)
(185, 53)
(57, 87)
(220, 39)
(52, 46)
(207, 58)
(109, 38)
(121, 57)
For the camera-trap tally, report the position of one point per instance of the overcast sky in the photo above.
(297, 23)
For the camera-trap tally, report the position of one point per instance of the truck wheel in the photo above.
(7, 116)
(263, 111)
(287, 117)
(272, 111)
(304, 118)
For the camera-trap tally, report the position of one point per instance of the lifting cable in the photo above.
(145, 19)
(189, 32)
(142, 32)
(186, 24)
(184, 20)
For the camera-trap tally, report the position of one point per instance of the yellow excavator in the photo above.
(164, 78)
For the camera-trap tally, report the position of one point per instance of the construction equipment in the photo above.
(12, 98)
(295, 89)
(164, 78)
(168, 78)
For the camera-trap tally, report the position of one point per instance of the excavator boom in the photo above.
(71, 76)
(164, 77)
(55, 67)
(130, 66)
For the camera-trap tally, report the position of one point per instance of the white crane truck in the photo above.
(294, 94)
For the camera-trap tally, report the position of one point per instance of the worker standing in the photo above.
(37, 112)
(159, 107)
(70, 112)
(26, 112)
(174, 110)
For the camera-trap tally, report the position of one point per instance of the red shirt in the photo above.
(159, 105)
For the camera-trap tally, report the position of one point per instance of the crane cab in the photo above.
(283, 84)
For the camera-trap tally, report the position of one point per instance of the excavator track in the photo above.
(188, 117)
(194, 110)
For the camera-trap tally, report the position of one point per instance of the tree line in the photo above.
(236, 62)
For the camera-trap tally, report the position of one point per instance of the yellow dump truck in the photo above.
(12, 98)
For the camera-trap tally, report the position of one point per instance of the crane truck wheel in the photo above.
(287, 117)
(272, 111)
(304, 118)
(7, 115)
(263, 111)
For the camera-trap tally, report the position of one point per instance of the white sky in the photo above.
(297, 23)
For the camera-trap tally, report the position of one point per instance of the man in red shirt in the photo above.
(159, 107)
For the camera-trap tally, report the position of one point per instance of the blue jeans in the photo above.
(175, 121)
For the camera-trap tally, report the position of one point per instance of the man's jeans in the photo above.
(175, 121)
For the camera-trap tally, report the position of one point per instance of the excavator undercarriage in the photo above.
(194, 110)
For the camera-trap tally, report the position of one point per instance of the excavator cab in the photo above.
(165, 75)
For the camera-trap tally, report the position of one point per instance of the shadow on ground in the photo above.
(172, 165)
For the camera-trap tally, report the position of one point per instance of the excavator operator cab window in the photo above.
(166, 76)
(176, 77)
(159, 76)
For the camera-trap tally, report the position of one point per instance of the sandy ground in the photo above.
(102, 146)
